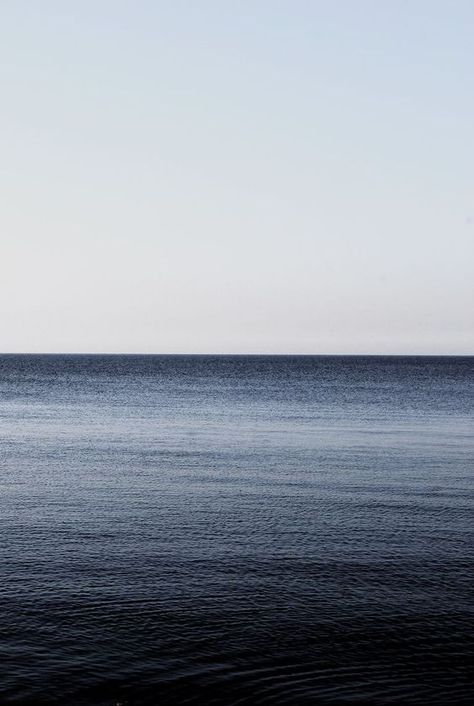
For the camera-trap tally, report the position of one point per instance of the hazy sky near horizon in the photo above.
(286, 176)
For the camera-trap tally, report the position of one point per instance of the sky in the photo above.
(237, 176)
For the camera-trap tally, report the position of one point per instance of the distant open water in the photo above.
(236, 530)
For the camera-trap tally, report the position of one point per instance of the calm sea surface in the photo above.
(236, 530)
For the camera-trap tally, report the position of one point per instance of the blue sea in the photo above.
(236, 530)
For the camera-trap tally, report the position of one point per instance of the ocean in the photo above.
(236, 530)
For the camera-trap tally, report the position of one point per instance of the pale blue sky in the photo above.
(247, 176)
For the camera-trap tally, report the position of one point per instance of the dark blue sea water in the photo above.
(236, 530)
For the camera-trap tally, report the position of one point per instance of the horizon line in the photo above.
(230, 354)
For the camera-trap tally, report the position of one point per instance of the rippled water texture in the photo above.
(236, 530)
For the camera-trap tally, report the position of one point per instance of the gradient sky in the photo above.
(285, 176)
